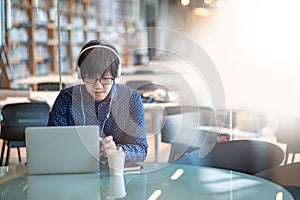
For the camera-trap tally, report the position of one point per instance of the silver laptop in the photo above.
(62, 149)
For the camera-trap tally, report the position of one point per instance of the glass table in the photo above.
(154, 181)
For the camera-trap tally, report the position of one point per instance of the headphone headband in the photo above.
(104, 47)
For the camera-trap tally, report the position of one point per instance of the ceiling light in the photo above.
(185, 2)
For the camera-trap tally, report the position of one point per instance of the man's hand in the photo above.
(107, 144)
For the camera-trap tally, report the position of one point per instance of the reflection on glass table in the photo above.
(154, 181)
(76, 186)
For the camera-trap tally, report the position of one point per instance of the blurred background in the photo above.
(237, 56)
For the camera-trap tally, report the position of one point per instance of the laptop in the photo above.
(62, 149)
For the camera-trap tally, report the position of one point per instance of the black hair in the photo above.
(98, 61)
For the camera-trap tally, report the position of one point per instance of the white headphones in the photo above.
(104, 47)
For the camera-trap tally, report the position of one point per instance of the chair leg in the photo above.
(293, 157)
(2, 153)
(287, 153)
(19, 155)
(171, 156)
(7, 154)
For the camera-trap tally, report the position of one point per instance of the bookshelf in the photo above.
(33, 46)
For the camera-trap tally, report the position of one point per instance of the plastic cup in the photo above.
(116, 160)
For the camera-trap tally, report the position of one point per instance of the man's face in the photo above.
(98, 87)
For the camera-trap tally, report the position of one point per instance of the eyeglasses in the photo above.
(103, 81)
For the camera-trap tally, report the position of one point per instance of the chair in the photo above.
(144, 72)
(294, 190)
(16, 117)
(287, 176)
(149, 91)
(247, 156)
(283, 175)
(140, 85)
(180, 129)
(288, 132)
(49, 86)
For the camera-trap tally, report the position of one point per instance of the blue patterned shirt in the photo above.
(120, 115)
